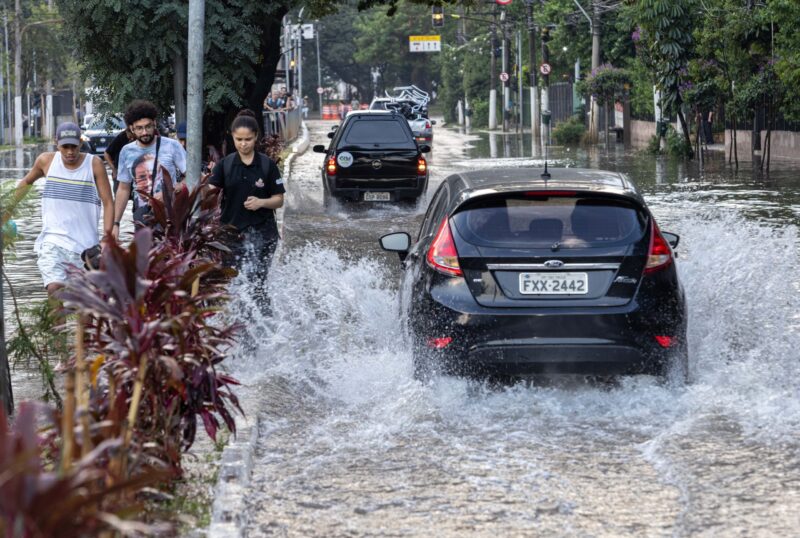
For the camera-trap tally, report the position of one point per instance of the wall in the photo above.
(785, 144)
(641, 132)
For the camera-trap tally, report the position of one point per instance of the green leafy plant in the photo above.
(569, 132)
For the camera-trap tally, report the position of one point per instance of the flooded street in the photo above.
(352, 445)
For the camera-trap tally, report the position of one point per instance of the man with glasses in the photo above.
(164, 153)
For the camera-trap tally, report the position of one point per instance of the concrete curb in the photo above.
(298, 148)
(228, 511)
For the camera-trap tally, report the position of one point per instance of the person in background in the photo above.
(304, 109)
(168, 154)
(111, 154)
(76, 194)
(180, 133)
(252, 189)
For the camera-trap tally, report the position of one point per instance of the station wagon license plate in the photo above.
(553, 283)
(377, 196)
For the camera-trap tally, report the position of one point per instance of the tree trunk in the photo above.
(684, 128)
(179, 87)
(6, 394)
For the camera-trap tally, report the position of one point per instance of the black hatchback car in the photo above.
(514, 274)
(373, 157)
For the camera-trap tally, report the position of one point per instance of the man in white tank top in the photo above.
(75, 193)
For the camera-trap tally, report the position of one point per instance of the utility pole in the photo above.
(319, 68)
(545, 88)
(8, 72)
(533, 70)
(594, 130)
(194, 92)
(504, 110)
(519, 81)
(17, 74)
(493, 75)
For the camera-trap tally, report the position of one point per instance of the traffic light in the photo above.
(437, 16)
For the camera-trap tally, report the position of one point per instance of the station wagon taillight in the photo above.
(442, 254)
(660, 255)
(331, 167)
(422, 166)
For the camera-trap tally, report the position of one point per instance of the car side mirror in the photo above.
(433, 122)
(319, 148)
(672, 239)
(83, 127)
(330, 135)
(398, 242)
(424, 148)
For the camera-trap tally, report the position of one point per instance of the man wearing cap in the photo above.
(75, 193)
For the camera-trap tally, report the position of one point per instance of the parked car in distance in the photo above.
(99, 133)
(373, 157)
(513, 274)
(417, 116)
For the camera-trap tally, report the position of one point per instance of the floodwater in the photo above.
(352, 445)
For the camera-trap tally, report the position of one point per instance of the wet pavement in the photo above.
(351, 444)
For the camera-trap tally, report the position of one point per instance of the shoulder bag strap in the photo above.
(155, 166)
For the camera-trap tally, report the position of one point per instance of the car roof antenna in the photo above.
(545, 174)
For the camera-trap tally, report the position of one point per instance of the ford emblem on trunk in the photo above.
(376, 164)
(553, 264)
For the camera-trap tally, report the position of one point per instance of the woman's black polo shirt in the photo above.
(244, 181)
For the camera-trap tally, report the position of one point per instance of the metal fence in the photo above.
(284, 123)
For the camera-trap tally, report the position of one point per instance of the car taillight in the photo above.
(422, 166)
(442, 254)
(665, 341)
(331, 167)
(660, 255)
(439, 343)
(427, 125)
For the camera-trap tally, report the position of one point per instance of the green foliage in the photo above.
(480, 113)
(677, 146)
(129, 49)
(653, 145)
(607, 83)
(569, 132)
(666, 40)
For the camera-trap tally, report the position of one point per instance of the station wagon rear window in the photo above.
(381, 132)
(542, 221)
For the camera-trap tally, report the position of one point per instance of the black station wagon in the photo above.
(518, 274)
(374, 157)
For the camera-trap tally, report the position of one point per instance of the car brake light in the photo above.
(439, 343)
(422, 166)
(660, 255)
(427, 125)
(442, 254)
(331, 166)
(550, 193)
(665, 341)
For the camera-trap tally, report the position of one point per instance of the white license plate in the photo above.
(377, 196)
(553, 283)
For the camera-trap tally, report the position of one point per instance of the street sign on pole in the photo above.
(504, 76)
(425, 43)
(545, 68)
(320, 90)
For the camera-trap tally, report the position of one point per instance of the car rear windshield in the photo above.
(389, 132)
(541, 221)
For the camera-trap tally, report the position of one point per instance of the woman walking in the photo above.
(252, 189)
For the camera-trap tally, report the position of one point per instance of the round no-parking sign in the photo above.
(545, 69)
(504, 76)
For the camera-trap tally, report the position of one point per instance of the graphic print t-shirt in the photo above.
(136, 165)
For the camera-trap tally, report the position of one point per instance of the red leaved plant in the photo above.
(37, 501)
